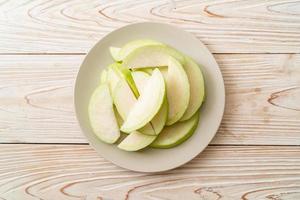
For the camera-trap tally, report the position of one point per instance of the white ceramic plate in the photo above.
(152, 160)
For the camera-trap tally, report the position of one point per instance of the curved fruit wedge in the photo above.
(124, 101)
(112, 78)
(101, 115)
(178, 90)
(123, 98)
(121, 138)
(159, 120)
(114, 52)
(151, 55)
(125, 73)
(136, 141)
(103, 77)
(119, 119)
(140, 79)
(148, 104)
(197, 90)
(177, 133)
(132, 45)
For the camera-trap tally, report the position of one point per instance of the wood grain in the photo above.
(42, 45)
(66, 172)
(73, 26)
(262, 105)
(262, 92)
(36, 95)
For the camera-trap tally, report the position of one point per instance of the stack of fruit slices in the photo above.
(150, 96)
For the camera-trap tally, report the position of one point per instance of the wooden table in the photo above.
(255, 154)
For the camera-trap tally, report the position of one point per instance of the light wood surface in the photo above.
(75, 25)
(255, 154)
(76, 172)
(262, 99)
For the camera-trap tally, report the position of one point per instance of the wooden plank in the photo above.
(61, 26)
(262, 105)
(262, 92)
(36, 95)
(76, 172)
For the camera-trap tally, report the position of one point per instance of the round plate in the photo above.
(152, 160)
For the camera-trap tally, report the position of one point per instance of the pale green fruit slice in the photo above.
(177, 133)
(159, 120)
(148, 104)
(114, 52)
(197, 90)
(112, 79)
(178, 90)
(140, 79)
(147, 70)
(123, 98)
(132, 45)
(136, 141)
(125, 73)
(120, 122)
(118, 117)
(124, 101)
(151, 55)
(121, 138)
(101, 115)
(103, 77)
